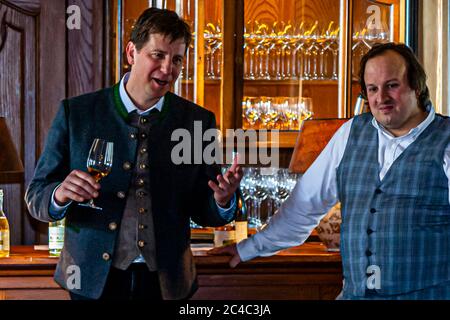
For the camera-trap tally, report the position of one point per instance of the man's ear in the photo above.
(130, 51)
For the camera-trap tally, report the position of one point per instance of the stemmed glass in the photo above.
(99, 164)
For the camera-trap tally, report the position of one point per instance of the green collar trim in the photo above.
(122, 110)
(118, 104)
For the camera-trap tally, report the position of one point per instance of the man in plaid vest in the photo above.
(390, 169)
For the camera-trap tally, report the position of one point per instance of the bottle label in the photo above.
(241, 230)
(223, 238)
(56, 237)
(4, 240)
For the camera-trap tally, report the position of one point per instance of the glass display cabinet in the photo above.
(270, 64)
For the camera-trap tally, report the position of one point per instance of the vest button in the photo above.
(144, 120)
(141, 194)
(132, 135)
(121, 195)
(143, 135)
(126, 165)
(140, 182)
(142, 227)
(368, 253)
(378, 191)
(112, 226)
(142, 210)
(106, 256)
(143, 166)
(143, 150)
(373, 210)
(369, 231)
(141, 243)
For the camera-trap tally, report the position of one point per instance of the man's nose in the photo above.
(166, 66)
(382, 95)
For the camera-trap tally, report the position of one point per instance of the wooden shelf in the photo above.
(286, 139)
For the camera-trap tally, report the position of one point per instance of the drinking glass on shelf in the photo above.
(251, 112)
(99, 164)
(305, 109)
(291, 113)
(270, 113)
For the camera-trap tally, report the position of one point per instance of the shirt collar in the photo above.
(414, 132)
(128, 103)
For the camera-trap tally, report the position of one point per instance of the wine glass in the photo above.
(99, 164)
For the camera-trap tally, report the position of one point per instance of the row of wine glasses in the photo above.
(283, 113)
(281, 50)
(264, 190)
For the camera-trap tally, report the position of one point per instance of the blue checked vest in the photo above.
(400, 224)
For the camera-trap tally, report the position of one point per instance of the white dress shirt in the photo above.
(316, 191)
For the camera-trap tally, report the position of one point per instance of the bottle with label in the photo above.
(55, 237)
(4, 230)
(224, 235)
(241, 222)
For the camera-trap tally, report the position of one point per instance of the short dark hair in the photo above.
(162, 21)
(416, 74)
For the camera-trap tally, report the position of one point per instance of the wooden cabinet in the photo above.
(305, 272)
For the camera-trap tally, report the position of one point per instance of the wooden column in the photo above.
(231, 87)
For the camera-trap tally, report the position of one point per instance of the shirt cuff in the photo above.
(227, 213)
(56, 211)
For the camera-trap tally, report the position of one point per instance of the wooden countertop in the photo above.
(308, 253)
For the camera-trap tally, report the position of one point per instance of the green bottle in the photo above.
(55, 237)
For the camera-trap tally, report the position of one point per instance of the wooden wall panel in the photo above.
(19, 25)
(85, 49)
(41, 63)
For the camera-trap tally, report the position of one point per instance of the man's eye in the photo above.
(158, 55)
(177, 61)
(393, 85)
(371, 89)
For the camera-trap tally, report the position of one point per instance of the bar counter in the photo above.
(304, 272)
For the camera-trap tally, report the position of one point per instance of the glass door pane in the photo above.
(290, 62)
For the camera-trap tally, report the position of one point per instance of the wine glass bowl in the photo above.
(99, 164)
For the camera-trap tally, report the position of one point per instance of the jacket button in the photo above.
(121, 195)
(141, 194)
(143, 166)
(142, 210)
(142, 227)
(369, 231)
(373, 210)
(378, 191)
(143, 150)
(126, 165)
(112, 226)
(140, 182)
(132, 135)
(141, 243)
(368, 253)
(106, 256)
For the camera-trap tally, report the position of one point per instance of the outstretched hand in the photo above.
(230, 250)
(228, 183)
